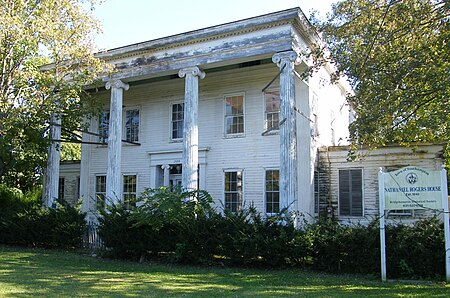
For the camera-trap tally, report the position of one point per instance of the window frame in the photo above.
(266, 192)
(316, 180)
(351, 199)
(102, 194)
(271, 130)
(240, 193)
(125, 126)
(103, 131)
(61, 189)
(172, 139)
(124, 201)
(225, 116)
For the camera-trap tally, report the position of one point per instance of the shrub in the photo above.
(10, 199)
(416, 251)
(23, 221)
(170, 224)
(168, 221)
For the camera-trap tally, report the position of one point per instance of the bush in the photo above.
(171, 225)
(10, 200)
(416, 251)
(23, 221)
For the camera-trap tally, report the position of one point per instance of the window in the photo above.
(129, 191)
(103, 127)
(272, 191)
(316, 192)
(77, 191)
(61, 182)
(177, 121)
(233, 191)
(350, 193)
(272, 110)
(100, 191)
(132, 125)
(234, 114)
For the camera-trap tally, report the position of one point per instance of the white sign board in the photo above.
(412, 188)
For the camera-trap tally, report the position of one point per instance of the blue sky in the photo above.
(131, 21)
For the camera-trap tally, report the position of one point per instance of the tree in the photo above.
(46, 57)
(396, 56)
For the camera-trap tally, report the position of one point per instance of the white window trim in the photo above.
(233, 135)
(124, 124)
(123, 188)
(228, 170)
(362, 193)
(95, 190)
(98, 127)
(317, 204)
(264, 112)
(265, 189)
(171, 104)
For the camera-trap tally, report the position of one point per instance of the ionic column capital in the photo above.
(116, 83)
(283, 57)
(195, 71)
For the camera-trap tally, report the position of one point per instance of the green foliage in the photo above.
(23, 221)
(182, 227)
(396, 56)
(10, 199)
(338, 248)
(46, 58)
(416, 251)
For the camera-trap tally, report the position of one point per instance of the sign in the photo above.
(412, 188)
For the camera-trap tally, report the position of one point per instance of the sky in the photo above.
(127, 22)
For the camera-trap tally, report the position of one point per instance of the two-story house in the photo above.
(227, 109)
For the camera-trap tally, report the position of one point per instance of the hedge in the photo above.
(182, 227)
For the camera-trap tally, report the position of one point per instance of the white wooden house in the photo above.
(225, 109)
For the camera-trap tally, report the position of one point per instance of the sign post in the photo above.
(446, 222)
(411, 188)
(382, 225)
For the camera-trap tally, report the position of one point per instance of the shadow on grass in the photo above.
(28, 272)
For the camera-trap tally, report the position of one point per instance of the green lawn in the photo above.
(28, 272)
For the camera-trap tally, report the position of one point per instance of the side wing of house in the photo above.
(349, 189)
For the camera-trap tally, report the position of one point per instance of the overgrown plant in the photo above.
(23, 221)
(183, 227)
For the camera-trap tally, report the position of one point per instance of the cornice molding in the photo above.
(201, 36)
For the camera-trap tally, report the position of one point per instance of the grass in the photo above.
(49, 273)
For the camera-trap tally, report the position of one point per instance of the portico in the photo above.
(199, 113)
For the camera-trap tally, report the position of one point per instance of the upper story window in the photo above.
(132, 121)
(234, 114)
(233, 191)
(103, 127)
(177, 121)
(272, 110)
(350, 192)
(272, 191)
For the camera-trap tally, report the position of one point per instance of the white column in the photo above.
(166, 169)
(190, 134)
(114, 171)
(288, 129)
(52, 172)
